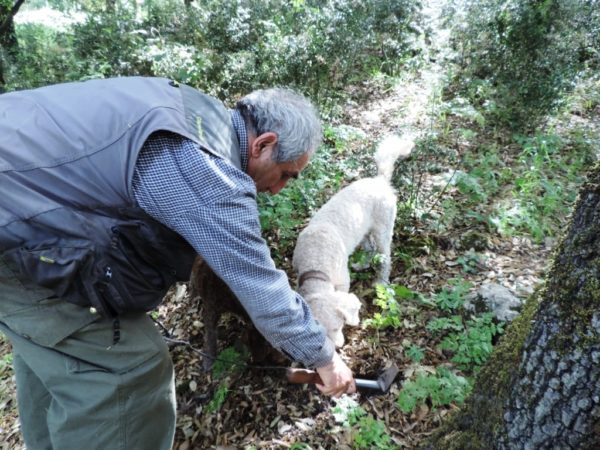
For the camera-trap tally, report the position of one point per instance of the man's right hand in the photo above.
(337, 378)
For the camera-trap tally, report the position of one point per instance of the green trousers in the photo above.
(75, 387)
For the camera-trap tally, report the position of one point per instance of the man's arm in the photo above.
(213, 206)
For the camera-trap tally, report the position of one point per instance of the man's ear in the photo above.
(259, 143)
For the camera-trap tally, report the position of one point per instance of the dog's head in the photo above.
(333, 310)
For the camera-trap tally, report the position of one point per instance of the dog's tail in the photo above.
(390, 149)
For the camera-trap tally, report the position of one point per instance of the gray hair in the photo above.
(290, 115)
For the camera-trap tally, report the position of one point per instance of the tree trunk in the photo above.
(8, 38)
(541, 387)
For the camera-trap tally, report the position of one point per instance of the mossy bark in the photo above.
(540, 389)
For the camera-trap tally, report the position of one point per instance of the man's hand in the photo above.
(337, 378)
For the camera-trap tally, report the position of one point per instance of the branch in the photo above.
(13, 12)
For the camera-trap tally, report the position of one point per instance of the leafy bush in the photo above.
(44, 57)
(107, 43)
(367, 432)
(385, 299)
(546, 186)
(517, 56)
(227, 48)
(441, 388)
(453, 297)
(473, 346)
(415, 353)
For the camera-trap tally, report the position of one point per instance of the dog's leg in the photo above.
(383, 235)
(202, 287)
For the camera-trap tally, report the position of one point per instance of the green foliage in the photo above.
(372, 433)
(517, 56)
(107, 44)
(226, 48)
(300, 446)
(469, 186)
(347, 411)
(452, 297)
(219, 397)
(6, 361)
(43, 57)
(473, 345)
(442, 324)
(469, 261)
(546, 186)
(415, 353)
(439, 389)
(385, 299)
(228, 361)
(367, 432)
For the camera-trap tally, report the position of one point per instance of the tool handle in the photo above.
(303, 376)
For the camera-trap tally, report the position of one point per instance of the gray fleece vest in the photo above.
(68, 218)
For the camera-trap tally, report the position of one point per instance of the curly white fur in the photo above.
(364, 211)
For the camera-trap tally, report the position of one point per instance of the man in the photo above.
(109, 189)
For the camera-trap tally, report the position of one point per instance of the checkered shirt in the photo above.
(213, 206)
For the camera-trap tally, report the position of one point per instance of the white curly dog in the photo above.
(363, 213)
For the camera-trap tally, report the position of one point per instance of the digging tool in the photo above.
(379, 386)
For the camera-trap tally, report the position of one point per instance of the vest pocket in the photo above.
(114, 282)
(130, 271)
(55, 266)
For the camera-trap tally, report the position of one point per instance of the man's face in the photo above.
(269, 175)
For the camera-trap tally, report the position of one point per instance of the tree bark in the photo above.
(8, 38)
(541, 387)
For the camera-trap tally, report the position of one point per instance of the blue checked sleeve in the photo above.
(213, 206)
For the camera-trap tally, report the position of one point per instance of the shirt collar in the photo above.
(240, 128)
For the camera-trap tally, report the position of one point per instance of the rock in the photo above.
(496, 299)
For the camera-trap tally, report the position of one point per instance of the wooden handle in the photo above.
(303, 376)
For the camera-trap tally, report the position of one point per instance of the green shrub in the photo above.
(441, 388)
(385, 299)
(545, 186)
(45, 56)
(473, 345)
(367, 432)
(227, 48)
(452, 297)
(517, 56)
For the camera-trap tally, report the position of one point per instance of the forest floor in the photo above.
(260, 409)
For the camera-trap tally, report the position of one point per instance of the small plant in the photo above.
(367, 432)
(443, 324)
(470, 187)
(227, 362)
(389, 317)
(6, 361)
(452, 298)
(372, 434)
(218, 399)
(441, 388)
(469, 261)
(473, 345)
(415, 353)
(346, 411)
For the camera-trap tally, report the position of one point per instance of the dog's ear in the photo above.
(349, 306)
